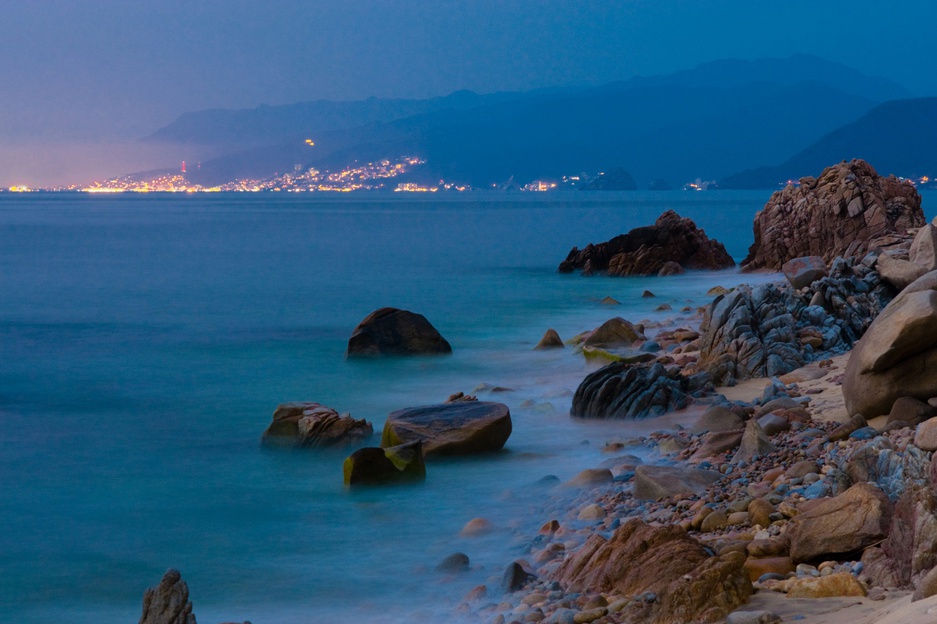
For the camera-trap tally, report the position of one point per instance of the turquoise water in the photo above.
(145, 341)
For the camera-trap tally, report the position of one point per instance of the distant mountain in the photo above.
(898, 137)
(703, 123)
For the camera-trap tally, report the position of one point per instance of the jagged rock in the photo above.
(645, 250)
(390, 331)
(772, 329)
(754, 442)
(859, 517)
(892, 359)
(550, 340)
(849, 208)
(380, 466)
(460, 428)
(626, 391)
(168, 602)
(690, 585)
(311, 425)
(879, 462)
(801, 272)
(656, 482)
(897, 272)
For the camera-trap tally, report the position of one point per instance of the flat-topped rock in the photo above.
(391, 331)
(651, 250)
(460, 428)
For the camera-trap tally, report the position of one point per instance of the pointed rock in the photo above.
(550, 340)
(168, 602)
(754, 442)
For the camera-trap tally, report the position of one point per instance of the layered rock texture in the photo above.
(847, 211)
(458, 428)
(391, 331)
(310, 424)
(670, 246)
(168, 602)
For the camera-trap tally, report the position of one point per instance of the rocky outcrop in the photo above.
(689, 584)
(390, 331)
(623, 390)
(382, 466)
(459, 428)
(168, 602)
(857, 518)
(894, 357)
(847, 211)
(772, 329)
(645, 250)
(313, 425)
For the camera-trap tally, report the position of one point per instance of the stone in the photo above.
(831, 586)
(754, 617)
(773, 424)
(391, 331)
(760, 511)
(717, 443)
(615, 332)
(592, 512)
(381, 466)
(754, 443)
(859, 517)
(515, 577)
(847, 208)
(804, 271)
(718, 418)
(168, 602)
(656, 482)
(900, 343)
(923, 251)
(591, 477)
(313, 425)
(688, 584)
(897, 272)
(911, 411)
(623, 390)
(802, 468)
(476, 527)
(780, 403)
(927, 587)
(771, 547)
(714, 521)
(670, 268)
(461, 428)
(456, 562)
(925, 437)
(610, 301)
(646, 250)
(756, 567)
(550, 340)
(589, 615)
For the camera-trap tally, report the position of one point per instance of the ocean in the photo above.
(146, 340)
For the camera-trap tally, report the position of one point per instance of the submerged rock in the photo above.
(459, 428)
(312, 424)
(382, 466)
(646, 250)
(848, 210)
(168, 602)
(390, 331)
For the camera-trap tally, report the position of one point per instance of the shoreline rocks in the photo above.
(395, 332)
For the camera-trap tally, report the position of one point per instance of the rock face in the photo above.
(859, 517)
(848, 210)
(381, 466)
(690, 585)
(772, 329)
(460, 428)
(168, 602)
(892, 359)
(311, 424)
(623, 390)
(645, 250)
(390, 331)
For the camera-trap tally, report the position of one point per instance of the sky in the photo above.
(83, 79)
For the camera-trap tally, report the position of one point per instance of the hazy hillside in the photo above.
(898, 137)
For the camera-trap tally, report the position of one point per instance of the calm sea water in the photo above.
(145, 341)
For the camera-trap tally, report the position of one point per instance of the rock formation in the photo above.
(168, 602)
(390, 331)
(459, 428)
(645, 250)
(623, 390)
(314, 425)
(381, 466)
(848, 210)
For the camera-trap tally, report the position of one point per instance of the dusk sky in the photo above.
(110, 71)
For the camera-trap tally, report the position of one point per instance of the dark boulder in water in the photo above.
(647, 250)
(459, 428)
(382, 466)
(550, 340)
(391, 331)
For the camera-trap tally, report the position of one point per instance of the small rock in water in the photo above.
(515, 577)
(476, 527)
(550, 340)
(592, 512)
(456, 562)
(647, 294)
(610, 301)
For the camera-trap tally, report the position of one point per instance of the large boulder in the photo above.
(168, 602)
(309, 424)
(801, 272)
(923, 251)
(623, 390)
(615, 332)
(846, 211)
(859, 517)
(645, 250)
(390, 331)
(898, 272)
(459, 428)
(690, 585)
(382, 466)
(656, 482)
(893, 358)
